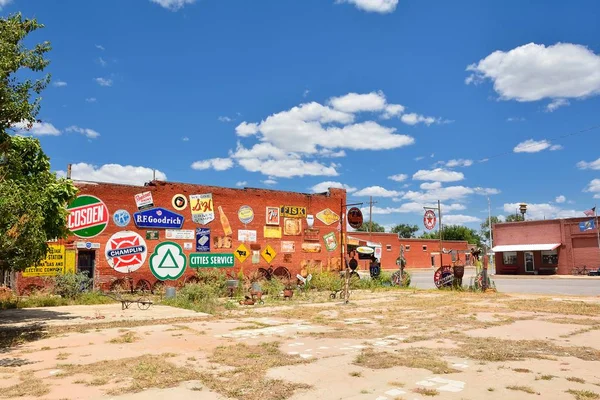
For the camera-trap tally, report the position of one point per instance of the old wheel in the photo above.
(282, 273)
(158, 288)
(143, 286)
(144, 303)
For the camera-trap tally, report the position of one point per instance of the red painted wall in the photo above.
(122, 197)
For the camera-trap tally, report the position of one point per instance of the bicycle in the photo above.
(580, 270)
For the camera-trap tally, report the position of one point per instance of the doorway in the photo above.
(529, 263)
(86, 262)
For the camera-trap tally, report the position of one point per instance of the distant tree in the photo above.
(455, 232)
(485, 227)
(405, 230)
(514, 218)
(376, 227)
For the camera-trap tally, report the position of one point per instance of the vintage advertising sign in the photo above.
(272, 232)
(203, 240)
(121, 218)
(223, 242)
(212, 260)
(126, 251)
(159, 218)
(246, 214)
(292, 211)
(288, 247)
(87, 245)
(272, 216)
(330, 241)
(292, 226)
(88, 216)
(268, 254)
(203, 208)
(53, 264)
(429, 219)
(246, 236)
(180, 234)
(310, 220)
(144, 200)
(179, 202)
(443, 277)
(168, 261)
(355, 217)
(241, 253)
(152, 235)
(311, 247)
(328, 217)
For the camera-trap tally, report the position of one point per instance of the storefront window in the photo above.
(549, 257)
(510, 257)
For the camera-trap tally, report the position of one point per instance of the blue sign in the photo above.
(158, 218)
(121, 218)
(88, 245)
(203, 240)
(587, 225)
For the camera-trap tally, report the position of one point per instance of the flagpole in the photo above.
(597, 228)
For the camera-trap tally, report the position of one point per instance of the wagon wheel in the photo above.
(119, 286)
(282, 273)
(263, 274)
(142, 286)
(158, 288)
(144, 303)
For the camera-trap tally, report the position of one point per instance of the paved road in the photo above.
(582, 286)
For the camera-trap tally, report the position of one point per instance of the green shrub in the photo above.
(272, 287)
(326, 281)
(70, 286)
(198, 297)
(215, 278)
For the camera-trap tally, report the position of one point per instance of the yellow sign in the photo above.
(292, 212)
(328, 217)
(52, 265)
(268, 254)
(241, 253)
(272, 232)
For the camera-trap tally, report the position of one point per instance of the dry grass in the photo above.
(29, 386)
(396, 384)
(522, 370)
(573, 321)
(575, 379)
(127, 337)
(546, 377)
(426, 392)
(248, 380)
(63, 356)
(581, 331)
(583, 394)
(525, 389)
(555, 307)
(355, 374)
(410, 358)
(141, 373)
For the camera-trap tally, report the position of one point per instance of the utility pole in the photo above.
(597, 228)
(490, 228)
(371, 202)
(440, 228)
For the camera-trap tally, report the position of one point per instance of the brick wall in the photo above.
(122, 197)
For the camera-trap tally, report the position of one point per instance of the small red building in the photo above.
(545, 247)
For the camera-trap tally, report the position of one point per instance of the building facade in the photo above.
(545, 247)
(419, 253)
(163, 232)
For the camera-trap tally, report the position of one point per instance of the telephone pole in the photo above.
(371, 202)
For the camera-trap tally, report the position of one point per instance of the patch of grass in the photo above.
(583, 394)
(364, 391)
(575, 379)
(547, 377)
(491, 389)
(128, 337)
(573, 321)
(355, 374)
(525, 389)
(29, 386)
(426, 392)
(396, 384)
(522, 370)
(63, 356)
(581, 331)
(98, 381)
(410, 358)
(45, 348)
(197, 297)
(555, 307)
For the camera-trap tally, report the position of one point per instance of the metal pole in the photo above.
(597, 228)
(490, 228)
(370, 216)
(440, 228)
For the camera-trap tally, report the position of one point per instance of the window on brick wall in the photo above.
(424, 248)
(509, 257)
(388, 247)
(550, 257)
(407, 247)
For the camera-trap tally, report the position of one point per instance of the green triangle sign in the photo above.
(168, 261)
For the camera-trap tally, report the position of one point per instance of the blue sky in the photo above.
(409, 101)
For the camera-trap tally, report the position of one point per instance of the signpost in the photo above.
(439, 210)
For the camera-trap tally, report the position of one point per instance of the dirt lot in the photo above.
(385, 345)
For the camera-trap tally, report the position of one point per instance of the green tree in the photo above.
(32, 198)
(405, 230)
(514, 218)
(455, 232)
(485, 227)
(376, 227)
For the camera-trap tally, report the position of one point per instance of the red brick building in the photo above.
(419, 253)
(545, 247)
(260, 228)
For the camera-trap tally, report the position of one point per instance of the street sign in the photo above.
(429, 219)
(355, 217)
(268, 254)
(241, 253)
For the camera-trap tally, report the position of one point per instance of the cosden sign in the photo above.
(214, 260)
(158, 218)
(88, 216)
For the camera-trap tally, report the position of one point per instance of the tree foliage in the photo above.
(32, 198)
(485, 226)
(514, 218)
(406, 231)
(376, 227)
(455, 232)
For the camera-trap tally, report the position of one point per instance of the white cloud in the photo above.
(99, 46)
(593, 187)
(37, 128)
(398, 177)
(332, 154)
(225, 119)
(434, 192)
(89, 133)
(59, 83)
(378, 6)
(305, 94)
(246, 129)
(270, 182)
(173, 5)
(287, 168)
(413, 119)
(4, 3)
(533, 72)
(430, 185)
(556, 104)
(542, 210)
(101, 61)
(104, 81)
(185, 139)
(485, 191)
(241, 183)
(589, 165)
(218, 164)
(419, 158)
(324, 187)
(113, 173)
(560, 199)
(438, 175)
(91, 100)
(261, 151)
(354, 102)
(377, 191)
(392, 110)
(412, 207)
(515, 119)
(459, 163)
(535, 146)
(459, 219)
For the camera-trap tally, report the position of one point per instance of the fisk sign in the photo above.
(158, 218)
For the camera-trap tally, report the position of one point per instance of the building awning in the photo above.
(525, 247)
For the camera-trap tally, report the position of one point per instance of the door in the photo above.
(86, 261)
(529, 263)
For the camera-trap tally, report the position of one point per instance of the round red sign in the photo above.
(443, 277)
(429, 219)
(355, 217)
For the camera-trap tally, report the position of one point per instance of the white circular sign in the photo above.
(126, 251)
(168, 261)
(429, 219)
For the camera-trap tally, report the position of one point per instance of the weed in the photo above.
(356, 374)
(491, 389)
(575, 379)
(396, 384)
(583, 394)
(410, 358)
(547, 377)
(63, 356)
(29, 386)
(525, 389)
(128, 337)
(522, 370)
(364, 391)
(426, 392)
(197, 297)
